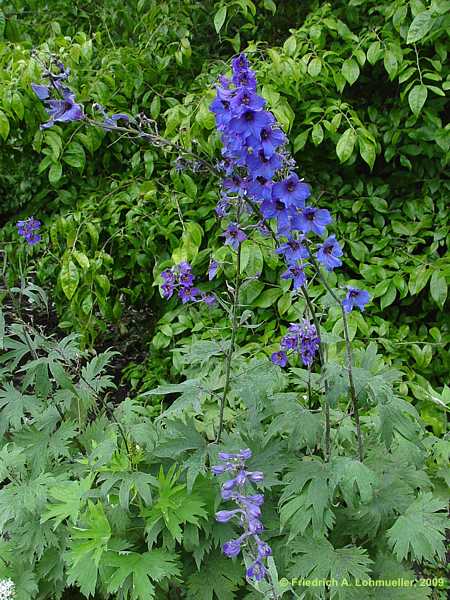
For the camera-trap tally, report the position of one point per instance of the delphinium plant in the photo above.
(320, 482)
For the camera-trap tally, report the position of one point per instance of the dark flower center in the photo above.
(279, 205)
(310, 216)
(291, 186)
(261, 180)
(264, 134)
(328, 249)
(249, 116)
(353, 294)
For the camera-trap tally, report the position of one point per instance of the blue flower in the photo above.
(270, 139)
(28, 229)
(261, 165)
(111, 122)
(250, 122)
(260, 188)
(297, 274)
(245, 99)
(234, 235)
(212, 269)
(312, 219)
(256, 570)
(292, 191)
(329, 253)
(63, 110)
(248, 512)
(278, 209)
(355, 297)
(293, 250)
(232, 548)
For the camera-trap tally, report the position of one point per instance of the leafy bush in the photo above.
(111, 494)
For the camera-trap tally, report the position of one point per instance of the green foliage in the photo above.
(113, 496)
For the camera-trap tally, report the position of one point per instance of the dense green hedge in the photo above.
(96, 493)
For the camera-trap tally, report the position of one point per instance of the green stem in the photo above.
(234, 327)
(323, 364)
(348, 356)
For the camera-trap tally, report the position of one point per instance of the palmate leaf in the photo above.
(135, 481)
(307, 498)
(14, 407)
(142, 569)
(312, 558)
(302, 427)
(179, 439)
(70, 496)
(420, 532)
(86, 548)
(173, 508)
(218, 578)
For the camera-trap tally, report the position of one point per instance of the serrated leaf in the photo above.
(143, 569)
(420, 532)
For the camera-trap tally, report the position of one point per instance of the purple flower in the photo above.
(270, 139)
(223, 516)
(28, 229)
(293, 250)
(246, 99)
(260, 189)
(63, 110)
(187, 294)
(292, 191)
(329, 253)
(111, 122)
(297, 274)
(255, 476)
(355, 297)
(240, 63)
(234, 235)
(41, 91)
(232, 548)
(240, 456)
(212, 269)
(248, 511)
(263, 549)
(250, 122)
(312, 219)
(256, 570)
(209, 299)
(279, 358)
(261, 165)
(167, 290)
(278, 209)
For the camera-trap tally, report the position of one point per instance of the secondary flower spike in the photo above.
(247, 513)
(58, 99)
(28, 229)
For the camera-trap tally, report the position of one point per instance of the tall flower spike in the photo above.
(258, 166)
(248, 512)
